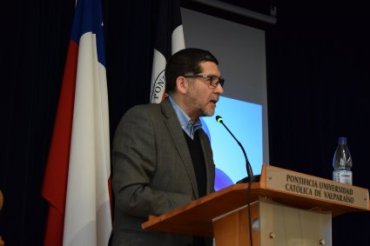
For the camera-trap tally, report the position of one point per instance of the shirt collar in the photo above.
(187, 124)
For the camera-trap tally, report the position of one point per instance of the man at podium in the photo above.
(161, 157)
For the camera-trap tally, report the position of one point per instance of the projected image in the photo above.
(244, 120)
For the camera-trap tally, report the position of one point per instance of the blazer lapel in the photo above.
(179, 141)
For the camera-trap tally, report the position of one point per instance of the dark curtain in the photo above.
(34, 40)
(129, 27)
(34, 45)
(318, 63)
(318, 68)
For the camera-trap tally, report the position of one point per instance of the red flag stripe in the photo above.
(55, 178)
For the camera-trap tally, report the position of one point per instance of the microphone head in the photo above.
(219, 119)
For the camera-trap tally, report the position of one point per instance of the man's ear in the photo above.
(182, 84)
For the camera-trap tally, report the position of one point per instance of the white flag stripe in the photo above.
(178, 40)
(103, 209)
(89, 169)
(158, 81)
(158, 84)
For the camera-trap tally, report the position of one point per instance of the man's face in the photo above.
(202, 96)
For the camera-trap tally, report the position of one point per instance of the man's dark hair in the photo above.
(185, 62)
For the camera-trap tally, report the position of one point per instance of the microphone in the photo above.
(248, 166)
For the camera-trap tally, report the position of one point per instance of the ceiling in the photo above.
(258, 13)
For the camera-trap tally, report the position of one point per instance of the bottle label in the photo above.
(343, 176)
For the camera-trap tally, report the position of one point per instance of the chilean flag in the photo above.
(77, 175)
(169, 40)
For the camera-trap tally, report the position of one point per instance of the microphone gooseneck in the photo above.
(248, 166)
(250, 177)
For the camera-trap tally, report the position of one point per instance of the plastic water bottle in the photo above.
(342, 163)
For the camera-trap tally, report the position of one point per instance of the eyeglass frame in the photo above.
(210, 78)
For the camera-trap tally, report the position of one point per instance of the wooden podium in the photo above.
(283, 208)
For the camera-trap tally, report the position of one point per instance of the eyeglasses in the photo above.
(213, 80)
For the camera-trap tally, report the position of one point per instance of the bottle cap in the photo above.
(342, 140)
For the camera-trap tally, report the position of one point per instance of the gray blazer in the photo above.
(152, 173)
